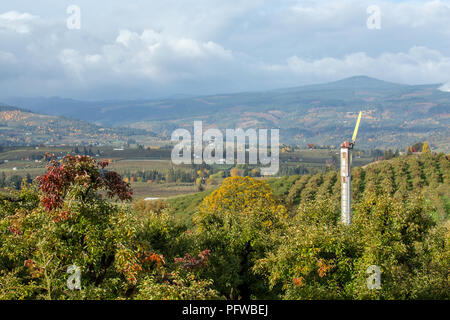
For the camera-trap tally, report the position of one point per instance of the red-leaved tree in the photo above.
(83, 171)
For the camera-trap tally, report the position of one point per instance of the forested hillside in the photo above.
(19, 127)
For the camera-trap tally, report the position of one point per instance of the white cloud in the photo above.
(73, 62)
(207, 46)
(16, 22)
(445, 87)
(152, 41)
(411, 14)
(417, 63)
(415, 14)
(157, 56)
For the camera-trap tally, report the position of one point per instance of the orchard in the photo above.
(245, 240)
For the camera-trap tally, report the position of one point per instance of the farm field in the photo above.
(142, 190)
(27, 161)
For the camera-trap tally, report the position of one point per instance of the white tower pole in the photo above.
(346, 176)
(346, 214)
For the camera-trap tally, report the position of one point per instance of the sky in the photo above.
(146, 49)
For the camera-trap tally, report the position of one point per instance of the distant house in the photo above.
(150, 199)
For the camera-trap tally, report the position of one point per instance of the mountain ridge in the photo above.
(38, 103)
(394, 114)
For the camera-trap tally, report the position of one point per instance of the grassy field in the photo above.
(142, 190)
(135, 165)
(183, 207)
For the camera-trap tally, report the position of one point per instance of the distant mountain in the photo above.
(352, 83)
(394, 114)
(54, 105)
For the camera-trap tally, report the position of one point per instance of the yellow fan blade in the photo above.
(356, 128)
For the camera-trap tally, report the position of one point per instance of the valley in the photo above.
(394, 115)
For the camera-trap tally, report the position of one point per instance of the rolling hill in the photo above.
(23, 127)
(395, 115)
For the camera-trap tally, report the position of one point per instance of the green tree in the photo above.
(238, 223)
(2, 180)
(321, 259)
(15, 181)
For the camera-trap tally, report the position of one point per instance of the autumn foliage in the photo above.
(244, 240)
(240, 194)
(81, 171)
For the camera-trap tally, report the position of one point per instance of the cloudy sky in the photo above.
(149, 49)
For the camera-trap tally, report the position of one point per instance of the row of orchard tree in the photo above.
(246, 240)
(399, 177)
(199, 174)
